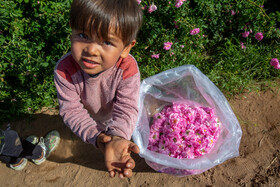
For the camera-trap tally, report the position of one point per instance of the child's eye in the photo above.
(107, 43)
(82, 35)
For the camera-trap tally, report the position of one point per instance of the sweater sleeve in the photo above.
(125, 107)
(71, 109)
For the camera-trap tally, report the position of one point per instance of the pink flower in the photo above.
(275, 63)
(167, 45)
(152, 8)
(38, 2)
(232, 12)
(259, 36)
(179, 3)
(242, 45)
(138, 1)
(245, 34)
(182, 46)
(195, 31)
(180, 138)
(155, 56)
(277, 67)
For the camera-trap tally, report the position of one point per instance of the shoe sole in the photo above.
(20, 167)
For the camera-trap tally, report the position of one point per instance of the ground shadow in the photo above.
(71, 149)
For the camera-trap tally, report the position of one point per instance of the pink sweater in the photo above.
(107, 102)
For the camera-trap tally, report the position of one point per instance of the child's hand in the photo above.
(101, 140)
(117, 156)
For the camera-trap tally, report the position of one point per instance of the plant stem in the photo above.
(260, 8)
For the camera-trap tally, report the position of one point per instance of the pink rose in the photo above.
(195, 31)
(259, 36)
(242, 45)
(245, 34)
(167, 45)
(275, 63)
(155, 56)
(179, 3)
(152, 8)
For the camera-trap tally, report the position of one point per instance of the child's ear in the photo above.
(127, 49)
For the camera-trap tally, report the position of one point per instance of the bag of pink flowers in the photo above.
(185, 124)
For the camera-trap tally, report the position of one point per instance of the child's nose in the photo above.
(93, 49)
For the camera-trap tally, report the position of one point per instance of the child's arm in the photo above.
(125, 105)
(124, 117)
(74, 115)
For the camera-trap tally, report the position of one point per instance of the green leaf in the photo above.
(45, 64)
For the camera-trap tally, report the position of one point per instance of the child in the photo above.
(15, 152)
(98, 81)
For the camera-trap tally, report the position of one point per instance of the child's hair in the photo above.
(98, 17)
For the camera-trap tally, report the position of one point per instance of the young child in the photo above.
(15, 152)
(98, 81)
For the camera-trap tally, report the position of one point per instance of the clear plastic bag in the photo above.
(185, 83)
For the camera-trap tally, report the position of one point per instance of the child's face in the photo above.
(94, 55)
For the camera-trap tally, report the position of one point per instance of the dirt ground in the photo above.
(75, 163)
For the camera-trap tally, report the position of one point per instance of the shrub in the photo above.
(221, 26)
(34, 35)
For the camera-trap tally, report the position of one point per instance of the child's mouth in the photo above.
(89, 64)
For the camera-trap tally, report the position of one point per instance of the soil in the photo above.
(76, 163)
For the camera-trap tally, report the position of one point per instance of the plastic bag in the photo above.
(185, 83)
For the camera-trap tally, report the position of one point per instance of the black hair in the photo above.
(98, 17)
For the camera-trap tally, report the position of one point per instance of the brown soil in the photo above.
(75, 163)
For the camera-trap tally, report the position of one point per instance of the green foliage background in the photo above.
(35, 34)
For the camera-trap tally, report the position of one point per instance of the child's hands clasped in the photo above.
(117, 154)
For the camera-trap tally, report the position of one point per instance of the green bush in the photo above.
(219, 36)
(35, 34)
